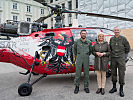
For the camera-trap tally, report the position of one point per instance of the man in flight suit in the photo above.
(119, 49)
(82, 50)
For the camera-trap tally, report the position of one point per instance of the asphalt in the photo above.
(59, 87)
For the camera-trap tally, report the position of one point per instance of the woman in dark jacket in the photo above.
(101, 51)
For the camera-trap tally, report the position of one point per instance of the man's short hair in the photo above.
(116, 27)
(82, 31)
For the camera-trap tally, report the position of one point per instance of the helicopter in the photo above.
(45, 51)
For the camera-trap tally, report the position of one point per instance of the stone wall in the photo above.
(128, 33)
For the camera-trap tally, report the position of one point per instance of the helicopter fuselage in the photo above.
(55, 47)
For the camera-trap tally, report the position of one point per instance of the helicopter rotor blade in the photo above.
(40, 1)
(88, 14)
(43, 18)
(43, 2)
(99, 15)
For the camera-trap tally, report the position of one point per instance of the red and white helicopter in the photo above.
(47, 51)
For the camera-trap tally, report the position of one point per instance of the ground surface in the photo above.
(59, 87)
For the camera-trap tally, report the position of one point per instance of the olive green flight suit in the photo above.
(119, 48)
(82, 50)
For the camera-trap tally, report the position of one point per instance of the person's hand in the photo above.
(97, 53)
(101, 54)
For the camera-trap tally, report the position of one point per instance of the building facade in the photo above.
(21, 10)
(29, 10)
(120, 8)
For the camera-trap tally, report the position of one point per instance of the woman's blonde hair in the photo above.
(101, 33)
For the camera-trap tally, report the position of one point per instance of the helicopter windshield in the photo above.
(91, 34)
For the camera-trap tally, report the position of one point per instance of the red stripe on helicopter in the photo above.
(61, 50)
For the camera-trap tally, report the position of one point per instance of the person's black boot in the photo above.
(87, 90)
(121, 91)
(76, 90)
(114, 89)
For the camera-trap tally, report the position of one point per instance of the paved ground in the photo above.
(59, 87)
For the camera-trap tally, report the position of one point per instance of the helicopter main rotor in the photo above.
(58, 10)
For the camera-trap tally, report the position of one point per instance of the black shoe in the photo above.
(87, 90)
(102, 91)
(121, 91)
(113, 90)
(98, 91)
(76, 90)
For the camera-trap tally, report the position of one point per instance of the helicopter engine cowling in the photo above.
(9, 28)
(15, 28)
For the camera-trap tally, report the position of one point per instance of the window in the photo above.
(70, 5)
(91, 34)
(15, 5)
(76, 3)
(70, 20)
(28, 19)
(51, 1)
(63, 6)
(28, 8)
(76, 16)
(15, 18)
(63, 20)
(42, 11)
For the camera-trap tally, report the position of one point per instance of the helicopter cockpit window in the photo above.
(50, 34)
(108, 34)
(91, 34)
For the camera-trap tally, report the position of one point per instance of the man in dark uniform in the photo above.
(119, 49)
(82, 50)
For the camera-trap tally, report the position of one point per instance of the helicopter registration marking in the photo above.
(7, 44)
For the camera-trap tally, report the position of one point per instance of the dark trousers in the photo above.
(118, 63)
(82, 62)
